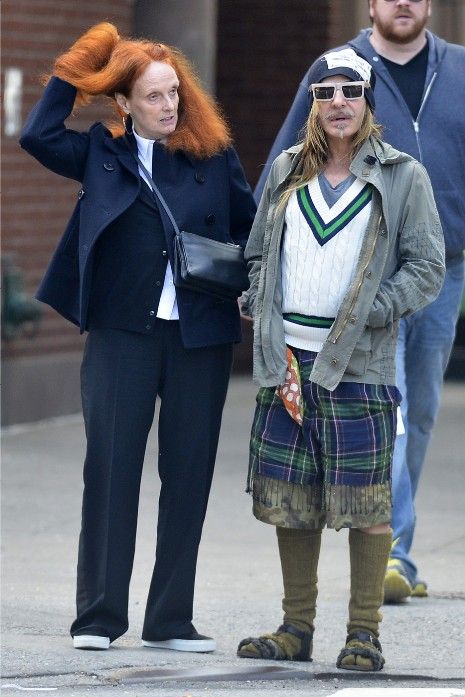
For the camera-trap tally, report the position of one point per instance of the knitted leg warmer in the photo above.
(368, 560)
(369, 555)
(299, 552)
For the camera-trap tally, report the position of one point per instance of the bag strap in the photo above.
(155, 190)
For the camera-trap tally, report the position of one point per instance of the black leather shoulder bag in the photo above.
(200, 263)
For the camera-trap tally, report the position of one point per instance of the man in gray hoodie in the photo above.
(417, 75)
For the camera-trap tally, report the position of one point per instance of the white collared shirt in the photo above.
(168, 306)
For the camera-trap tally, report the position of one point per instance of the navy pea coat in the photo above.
(209, 196)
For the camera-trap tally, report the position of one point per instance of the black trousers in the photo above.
(122, 374)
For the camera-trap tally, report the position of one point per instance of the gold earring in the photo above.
(124, 119)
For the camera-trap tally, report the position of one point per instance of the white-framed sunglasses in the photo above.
(326, 91)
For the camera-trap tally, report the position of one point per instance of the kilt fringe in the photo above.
(276, 493)
(343, 499)
(336, 498)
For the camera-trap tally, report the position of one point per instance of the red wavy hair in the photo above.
(100, 62)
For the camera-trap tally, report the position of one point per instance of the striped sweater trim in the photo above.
(323, 232)
(309, 320)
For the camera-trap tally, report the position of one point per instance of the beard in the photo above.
(391, 31)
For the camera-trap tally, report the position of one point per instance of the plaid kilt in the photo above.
(336, 467)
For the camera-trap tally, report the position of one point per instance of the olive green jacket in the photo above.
(400, 270)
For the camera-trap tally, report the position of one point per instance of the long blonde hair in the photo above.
(314, 153)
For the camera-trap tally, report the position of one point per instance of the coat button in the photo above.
(108, 166)
(81, 193)
(334, 361)
(158, 283)
(210, 219)
(164, 253)
(352, 319)
(199, 177)
(151, 313)
(369, 274)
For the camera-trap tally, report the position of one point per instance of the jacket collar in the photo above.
(374, 156)
(370, 165)
(119, 147)
(294, 153)
(127, 156)
(366, 165)
(384, 153)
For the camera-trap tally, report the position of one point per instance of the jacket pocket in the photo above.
(68, 246)
(361, 355)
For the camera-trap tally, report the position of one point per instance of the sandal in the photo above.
(364, 645)
(275, 647)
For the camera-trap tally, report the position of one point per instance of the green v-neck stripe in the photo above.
(309, 320)
(322, 231)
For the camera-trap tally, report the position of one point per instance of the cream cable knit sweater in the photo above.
(316, 274)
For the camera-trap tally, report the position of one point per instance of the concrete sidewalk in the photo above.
(238, 583)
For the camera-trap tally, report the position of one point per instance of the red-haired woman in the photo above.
(111, 275)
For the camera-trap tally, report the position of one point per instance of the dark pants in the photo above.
(122, 374)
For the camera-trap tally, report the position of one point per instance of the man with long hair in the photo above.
(346, 241)
(417, 75)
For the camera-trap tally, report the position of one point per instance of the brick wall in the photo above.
(37, 203)
(264, 49)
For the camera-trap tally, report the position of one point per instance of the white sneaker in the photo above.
(194, 642)
(90, 641)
